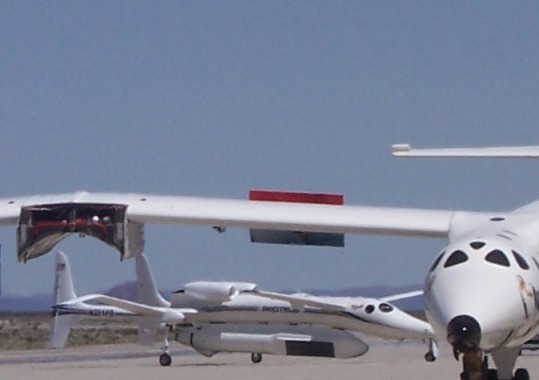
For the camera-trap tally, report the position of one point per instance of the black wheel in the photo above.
(165, 359)
(256, 357)
(521, 374)
(429, 356)
(491, 374)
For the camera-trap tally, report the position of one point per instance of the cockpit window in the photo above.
(520, 261)
(369, 309)
(477, 244)
(455, 258)
(497, 257)
(385, 307)
(437, 261)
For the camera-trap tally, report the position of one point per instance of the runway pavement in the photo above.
(391, 361)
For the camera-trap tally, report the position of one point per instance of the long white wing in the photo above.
(251, 214)
(127, 213)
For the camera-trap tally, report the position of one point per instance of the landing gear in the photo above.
(256, 357)
(521, 374)
(165, 359)
(475, 366)
(432, 353)
(491, 374)
(429, 356)
(505, 362)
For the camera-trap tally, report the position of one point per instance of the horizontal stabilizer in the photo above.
(296, 237)
(134, 307)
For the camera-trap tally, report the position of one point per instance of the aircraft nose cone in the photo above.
(463, 333)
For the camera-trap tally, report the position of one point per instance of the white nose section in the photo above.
(489, 295)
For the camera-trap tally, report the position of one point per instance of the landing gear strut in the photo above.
(433, 352)
(256, 357)
(165, 359)
(473, 364)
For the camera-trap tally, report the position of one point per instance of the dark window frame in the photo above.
(498, 257)
(455, 258)
(521, 261)
(384, 307)
(436, 262)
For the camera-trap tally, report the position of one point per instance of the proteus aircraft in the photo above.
(481, 292)
(217, 317)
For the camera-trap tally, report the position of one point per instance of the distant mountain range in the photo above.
(42, 302)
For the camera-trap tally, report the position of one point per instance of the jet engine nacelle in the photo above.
(272, 340)
(216, 291)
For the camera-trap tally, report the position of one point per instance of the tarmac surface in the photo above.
(384, 361)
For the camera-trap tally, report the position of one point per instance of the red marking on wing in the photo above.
(296, 197)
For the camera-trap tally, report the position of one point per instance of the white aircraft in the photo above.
(480, 294)
(217, 317)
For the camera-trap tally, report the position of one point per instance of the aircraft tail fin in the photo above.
(60, 329)
(63, 283)
(147, 292)
(62, 320)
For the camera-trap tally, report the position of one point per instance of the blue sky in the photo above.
(215, 98)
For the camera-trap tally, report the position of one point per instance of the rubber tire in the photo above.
(165, 359)
(521, 374)
(256, 357)
(491, 374)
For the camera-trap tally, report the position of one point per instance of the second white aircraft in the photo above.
(217, 317)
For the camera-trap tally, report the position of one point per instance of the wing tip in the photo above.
(400, 149)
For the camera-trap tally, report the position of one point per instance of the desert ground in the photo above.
(108, 349)
(30, 332)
